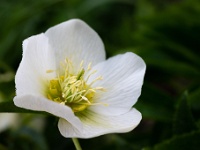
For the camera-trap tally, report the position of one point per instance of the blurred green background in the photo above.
(164, 33)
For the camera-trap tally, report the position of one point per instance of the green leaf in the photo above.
(183, 119)
(26, 138)
(189, 141)
(3, 147)
(155, 104)
(194, 98)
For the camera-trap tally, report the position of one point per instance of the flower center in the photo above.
(72, 89)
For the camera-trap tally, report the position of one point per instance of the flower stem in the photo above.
(76, 143)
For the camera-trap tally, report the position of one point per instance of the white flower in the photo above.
(64, 72)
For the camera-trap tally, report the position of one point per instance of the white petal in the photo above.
(122, 79)
(25, 44)
(31, 77)
(38, 103)
(76, 41)
(95, 125)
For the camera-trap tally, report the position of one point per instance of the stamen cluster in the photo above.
(72, 89)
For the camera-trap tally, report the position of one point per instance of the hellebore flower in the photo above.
(64, 72)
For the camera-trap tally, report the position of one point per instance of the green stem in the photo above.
(76, 143)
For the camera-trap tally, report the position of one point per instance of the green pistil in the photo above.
(80, 74)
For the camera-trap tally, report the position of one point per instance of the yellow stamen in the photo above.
(72, 89)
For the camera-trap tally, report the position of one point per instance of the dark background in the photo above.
(164, 33)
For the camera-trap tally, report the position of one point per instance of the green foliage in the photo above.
(181, 142)
(183, 119)
(164, 33)
(24, 138)
(185, 132)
